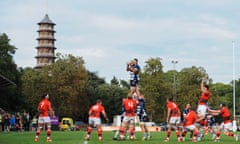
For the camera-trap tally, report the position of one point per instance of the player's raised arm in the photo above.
(204, 88)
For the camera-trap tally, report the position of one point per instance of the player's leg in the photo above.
(228, 131)
(89, 128)
(201, 114)
(143, 129)
(40, 126)
(122, 129)
(116, 134)
(132, 128)
(177, 132)
(218, 132)
(48, 131)
(168, 132)
(175, 125)
(195, 134)
(99, 132)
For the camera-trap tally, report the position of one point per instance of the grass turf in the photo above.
(77, 137)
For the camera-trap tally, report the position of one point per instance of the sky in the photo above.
(109, 33)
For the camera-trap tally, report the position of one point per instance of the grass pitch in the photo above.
(77, 137)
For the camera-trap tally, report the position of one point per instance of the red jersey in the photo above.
(96, 110)
(175, 112)
(130, 107)
(190, 118)
(204, 98)
(226, 115)
(44, 107)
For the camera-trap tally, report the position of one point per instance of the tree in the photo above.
(114, 81)
(237, 97)
(65, 81)
(112, 96)
(189, 89)
(223, 93)
(124, 84)
(155, 89)
(93, 82)
(11, 99)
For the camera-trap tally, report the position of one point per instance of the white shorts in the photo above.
(129, 118)
(42, 120)
(227, 126)
(94, 121)
(202, 110)
(190, 127)
(175, 120)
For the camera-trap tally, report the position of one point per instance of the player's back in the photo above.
(130, 107)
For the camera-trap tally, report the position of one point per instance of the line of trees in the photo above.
(73, 88)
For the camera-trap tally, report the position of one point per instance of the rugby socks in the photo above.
(37, 134)
(184, 133)
(131, 133)
(168, 133)
(218, 135)
(99, 132)
(116, 134)
(229, 134)
(144, 134)
(122, 132)
(89, 130)
(195, 133)
(177, 133)
(48, 134)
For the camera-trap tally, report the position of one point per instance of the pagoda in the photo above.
(46, 43)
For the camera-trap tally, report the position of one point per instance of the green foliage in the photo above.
(124, 84)
(154, 88)
(65, 81)
(114, 81)
(11, 95)
(237, 97)
(112, 96)
(189, 89)
(93, 82)
(7, 65)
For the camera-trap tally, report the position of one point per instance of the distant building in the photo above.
(46, 43)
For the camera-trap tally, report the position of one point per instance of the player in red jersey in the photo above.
(95, 112)
(202, 108)
(189, 120)
(45, 109)
(202, 103)
(129, 105)
(173, 119)
(226, 125)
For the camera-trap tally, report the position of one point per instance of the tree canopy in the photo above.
(10, 96)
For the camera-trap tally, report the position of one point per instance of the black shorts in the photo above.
(133, 83)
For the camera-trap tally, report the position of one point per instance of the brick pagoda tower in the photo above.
(45, 49)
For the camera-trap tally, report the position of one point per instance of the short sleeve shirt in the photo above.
(44, 107)
(96, 111)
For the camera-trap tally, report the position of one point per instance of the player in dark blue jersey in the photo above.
(142, 117)
(133, 68)
(115, 137)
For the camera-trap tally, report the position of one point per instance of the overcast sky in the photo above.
(108, 33)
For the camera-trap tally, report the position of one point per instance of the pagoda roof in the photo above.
(47, 20)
